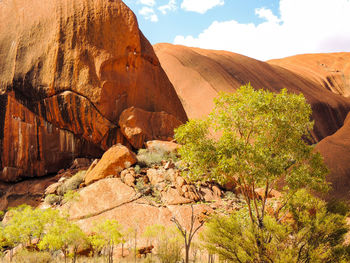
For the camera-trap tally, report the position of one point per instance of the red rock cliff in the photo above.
(68, 68)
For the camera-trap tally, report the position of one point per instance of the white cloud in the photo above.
(171, 6)
(304, 26)
(200, 6)
(147, 2)
(149, 14)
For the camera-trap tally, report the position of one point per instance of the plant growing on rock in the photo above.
(148, 158)
(72, 183)
(259, 140)
(52, 199)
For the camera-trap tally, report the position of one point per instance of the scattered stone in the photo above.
(179, 182)
(79, 163)
(155, 176)
(52, 189)
(169, 165)
(172, 197)
(216, 191)
(129, 180)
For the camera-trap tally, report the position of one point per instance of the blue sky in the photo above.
(261, 29)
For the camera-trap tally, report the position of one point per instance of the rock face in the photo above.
(199, 74)
(139, 126)
(67, 71)
(336, 152)
(115, 160)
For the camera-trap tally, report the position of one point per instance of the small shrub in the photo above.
(142, 188)
(137, 169)
(26, 256)
(72, 183)
(52, 199)
(148, 158)
(71, 196)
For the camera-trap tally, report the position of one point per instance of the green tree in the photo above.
(26, 223)
(63, 235)
(107, 234)
(255, 139)
(312, 234)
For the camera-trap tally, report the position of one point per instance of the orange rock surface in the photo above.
(198, 75)
(139, 126)
(71, 68)
(336, 152)
(113, 161)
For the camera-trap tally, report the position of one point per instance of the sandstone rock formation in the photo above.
(198, 75)
(113, 161)
(139, 126)
(67, 71)
(336, 152)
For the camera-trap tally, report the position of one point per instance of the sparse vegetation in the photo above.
(52, 199)
(168, 241)
(71, 183)
(148, 158)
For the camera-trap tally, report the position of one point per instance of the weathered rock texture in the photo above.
(336, 152)
(198, 75)
(139, 126)
(67, 71)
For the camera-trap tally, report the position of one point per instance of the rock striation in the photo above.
(67, 71)
(198, 75)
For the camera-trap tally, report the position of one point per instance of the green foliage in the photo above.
(26, 223)
(63, 235)
(106, 235)
(71, 196)
(338, 207)
(137, 169)
(259, 138)
(52, 199)
(254, 139)
(141, 187)
(148, 158)
(310, 235)
(168, 242)
(72, 183)
(25, 256)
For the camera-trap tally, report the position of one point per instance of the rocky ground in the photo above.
(136, 190)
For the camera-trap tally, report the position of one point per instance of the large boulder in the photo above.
(139, 126)
(100, 197)
(113, 161)
(67, 71)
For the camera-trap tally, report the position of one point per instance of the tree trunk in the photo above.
(187, 253)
